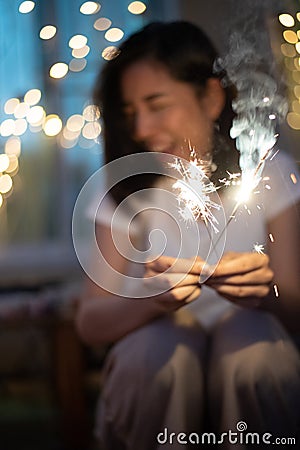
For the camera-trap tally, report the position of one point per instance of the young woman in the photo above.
(193, 358)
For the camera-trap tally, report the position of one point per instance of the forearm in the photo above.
(107, 319)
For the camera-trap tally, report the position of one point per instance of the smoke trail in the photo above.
(259, 106)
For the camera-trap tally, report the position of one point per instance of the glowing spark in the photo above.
(293, 178)
(258, 248)
(271, 237)
(275, 287)
(274, 154)
(193, 192)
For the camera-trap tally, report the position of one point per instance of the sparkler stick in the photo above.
(254, 183)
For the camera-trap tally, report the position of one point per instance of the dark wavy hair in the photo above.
(189, 56)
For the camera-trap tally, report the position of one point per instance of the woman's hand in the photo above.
(176, 279)
(242, 278)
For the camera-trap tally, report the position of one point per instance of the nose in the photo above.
(143, 126)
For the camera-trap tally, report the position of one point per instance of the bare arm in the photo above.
(285, 262)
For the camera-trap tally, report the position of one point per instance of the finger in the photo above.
(182, 294)
(175, 265)
(255, 277)
(245, 263)
(239, 292)
(166, 281)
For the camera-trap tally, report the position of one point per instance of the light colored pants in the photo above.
(170, 375)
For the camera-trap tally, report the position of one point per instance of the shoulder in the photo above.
(281, 183)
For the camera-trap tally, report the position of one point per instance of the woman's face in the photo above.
(164, 114)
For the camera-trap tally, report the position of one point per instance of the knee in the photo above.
(156, 345)
(252, 349)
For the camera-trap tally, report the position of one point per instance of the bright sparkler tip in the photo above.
(259, 248)
(193, 193)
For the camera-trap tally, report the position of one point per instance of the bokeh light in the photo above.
(109, 52)
(52, 125)
(81, 52)
(48, 32)
(90, 8)
(36, 115)
(91, 113)
(137, 7)
(286, 20)
(102, 24)
(77, 65)
(7, 127)
(75, 122)
(26, 7)
(4, 162)
(5, 183)
(21, 110)
(293, 119)
(91, 130)
(78, 41)
(13, 146)
(10, 105)
(114, 34)
(20, 127)
(290, 36)
(288, 50)
(32, 97)
(13, 164)
(58, 70)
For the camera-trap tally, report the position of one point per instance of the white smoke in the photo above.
(259, 106)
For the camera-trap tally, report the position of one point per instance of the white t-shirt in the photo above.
(158, 228)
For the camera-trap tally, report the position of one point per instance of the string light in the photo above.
(91, 130)
(91, 113)
(36, 115)
(32, 97)
(5, 183)
(52, 125)
(78, 41)
(13, 146)
(48, 32)
(77, 65)
(293, 120)
(114, 34)
(10, 105)
(102, 24)
(4, 162)
(21, 110)
(7, 127)
(75, 122)
(26, 7)
(89, 8)
(13, 165)
(109, 52)
(137, 7)
(20, 127)
(58, 70)
(290, 36)
(80, 52)
(286, 20)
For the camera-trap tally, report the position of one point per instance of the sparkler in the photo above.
(194, 192)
